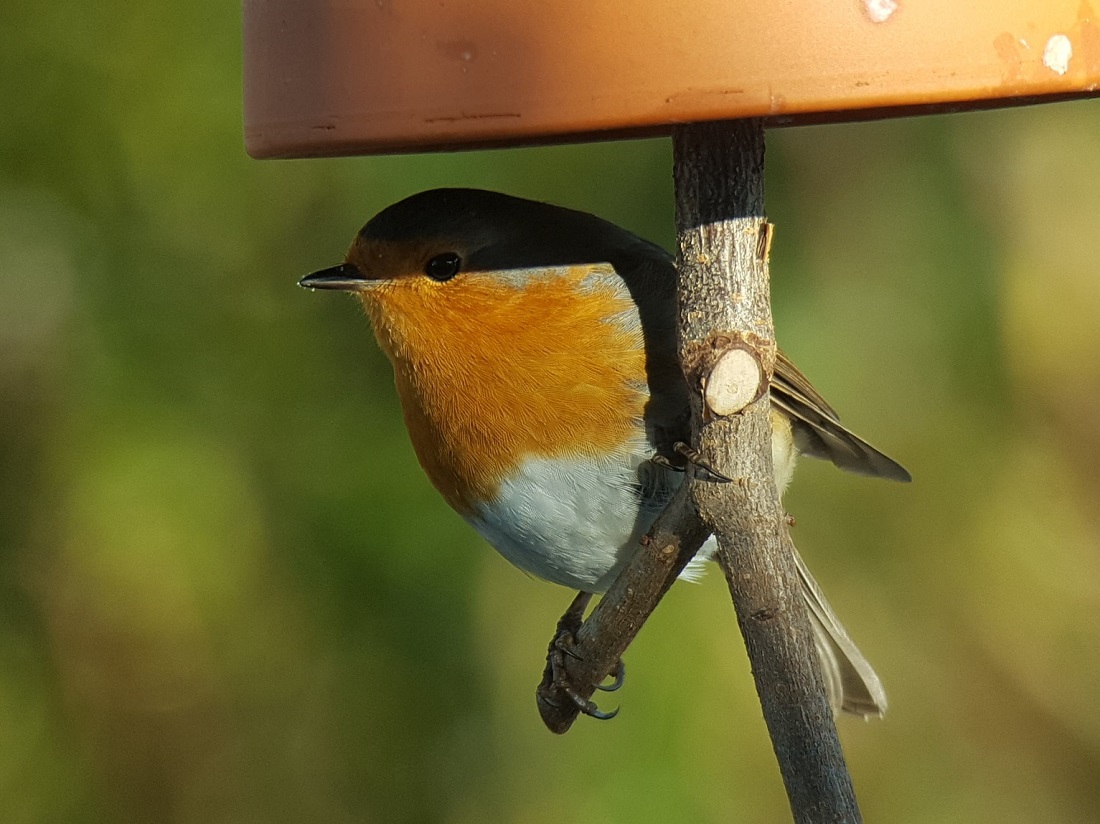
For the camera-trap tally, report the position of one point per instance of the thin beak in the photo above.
(344, 278)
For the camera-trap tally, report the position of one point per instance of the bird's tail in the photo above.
(850, 680)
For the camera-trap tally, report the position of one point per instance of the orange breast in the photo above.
(492, 369)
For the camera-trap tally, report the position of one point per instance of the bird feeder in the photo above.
(323, 77)
(346, 77)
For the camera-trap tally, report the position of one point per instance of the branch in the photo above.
(725, 307)
(600, 642)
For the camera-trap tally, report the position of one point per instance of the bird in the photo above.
(534, 353)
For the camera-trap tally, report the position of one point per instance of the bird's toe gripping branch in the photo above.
(584, 653)
(555, 678)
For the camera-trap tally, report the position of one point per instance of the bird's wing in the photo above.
(818, 431)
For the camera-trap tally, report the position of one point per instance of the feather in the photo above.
(817, 428)
(850, 680)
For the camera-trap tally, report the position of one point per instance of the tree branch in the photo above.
(725, 305)
(727, 347)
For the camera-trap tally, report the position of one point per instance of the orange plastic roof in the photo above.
(336, 77)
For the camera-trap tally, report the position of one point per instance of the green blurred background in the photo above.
(227, 593)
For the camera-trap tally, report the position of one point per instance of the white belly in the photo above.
(577, 521)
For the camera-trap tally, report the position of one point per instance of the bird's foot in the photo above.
(695, 458)
(563, 646)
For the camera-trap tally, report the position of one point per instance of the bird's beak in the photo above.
(344, 278)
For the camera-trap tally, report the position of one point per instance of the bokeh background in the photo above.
(227, 593)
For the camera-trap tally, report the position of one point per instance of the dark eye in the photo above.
(443, 267)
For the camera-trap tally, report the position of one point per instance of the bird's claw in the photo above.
(592, 711)
(562, 646)
(696, 458)
(665, 461)
(619, 676)
(692, 456)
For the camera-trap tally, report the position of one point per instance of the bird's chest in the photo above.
(476, 428)
(519, 377)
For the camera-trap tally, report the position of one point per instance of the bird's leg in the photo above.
(562, 645)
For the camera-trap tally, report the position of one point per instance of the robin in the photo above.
(534, 351)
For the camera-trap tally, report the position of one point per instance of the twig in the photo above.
(724, 304)
(603, 638)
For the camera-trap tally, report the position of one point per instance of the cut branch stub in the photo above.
(736, 379)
